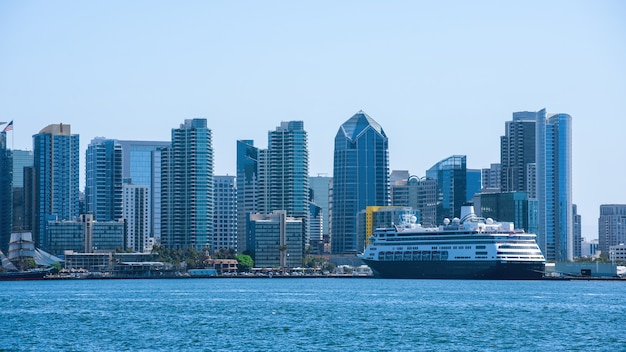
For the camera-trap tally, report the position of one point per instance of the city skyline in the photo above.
(450, 72)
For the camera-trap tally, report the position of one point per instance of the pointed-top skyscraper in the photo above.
(360, 178)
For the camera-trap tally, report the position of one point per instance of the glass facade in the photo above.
(103, 179)
(56, 171)
(554, 186)
(277, 240)
(142, 166)
(284, 174)
(451, 176)
(247, 190)
(187, 187)
(360, 178)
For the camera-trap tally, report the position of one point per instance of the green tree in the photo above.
(244, 262)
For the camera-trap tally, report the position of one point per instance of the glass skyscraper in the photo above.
(554, 185)
(187, 187)
(103, 181)
(285, 174)
(517, 151)
(56, 179)
(247, 190)
(142, 167)
(360, 178)
(451, 176)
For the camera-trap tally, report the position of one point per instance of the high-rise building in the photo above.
(578, 232)
(225, 213)
(611, 226)
(554, 185)
(320, 188)
(6, 194)
(474, 183)
(284, 174)
(420, 194)
(103, 179)
(21, 159)
(142, 167)
(137, 215)
(360, 177)
(187, 187)
(56, 179)
(507, 206)
(517, 150)
(247, 189)
(491, 177)
(451, 176)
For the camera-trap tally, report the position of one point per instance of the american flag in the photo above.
(8, 127)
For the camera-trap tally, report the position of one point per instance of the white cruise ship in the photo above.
(467, 248)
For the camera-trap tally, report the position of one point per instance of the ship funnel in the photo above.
(467, 213)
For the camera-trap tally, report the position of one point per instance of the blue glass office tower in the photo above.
(187, 187)
(103, 181)
(554, 185)
(451, 176)
(6, 192)
(56, 179)
(247, 190)
(142, 166)
(360, 178)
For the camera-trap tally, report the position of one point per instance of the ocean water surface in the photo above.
(312, 314)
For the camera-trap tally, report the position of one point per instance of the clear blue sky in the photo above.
(441, 77)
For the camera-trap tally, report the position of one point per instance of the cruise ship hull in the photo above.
(483, 270)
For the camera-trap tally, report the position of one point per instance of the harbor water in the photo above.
(312, 314)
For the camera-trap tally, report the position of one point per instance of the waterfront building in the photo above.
(6, 194)
(283, 171)
(225, 213)
(103, 179)
(142, 167)
(136, 211)
(611, 226)
(86, 235)
(56, 179)
(553, 136)
(517, 150)
(277, 240)
(491, 177)
(187, 187)
(451, 176)
(247, 189)
(360, 178)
